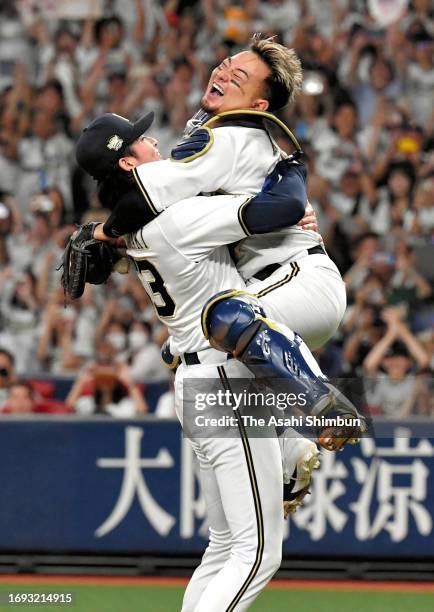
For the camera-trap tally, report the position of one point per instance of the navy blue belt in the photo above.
(268, 270)
(193, 358)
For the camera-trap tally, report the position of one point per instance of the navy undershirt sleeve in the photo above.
(279, 206)
(129, 215)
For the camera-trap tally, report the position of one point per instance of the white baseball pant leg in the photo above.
(307, 295)
(243, 482)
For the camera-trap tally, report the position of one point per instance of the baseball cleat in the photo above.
(300, 457)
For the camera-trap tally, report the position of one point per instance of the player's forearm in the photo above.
(283, 205)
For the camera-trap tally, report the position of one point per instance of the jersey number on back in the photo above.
(161, 298)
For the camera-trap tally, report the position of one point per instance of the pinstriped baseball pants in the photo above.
(241, 480)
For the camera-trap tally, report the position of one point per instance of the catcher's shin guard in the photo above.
(234, 322)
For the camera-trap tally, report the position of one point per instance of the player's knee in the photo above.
(220, 540)
(229, 320)
(271, 560)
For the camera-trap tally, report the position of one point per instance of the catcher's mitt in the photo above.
(86, 260)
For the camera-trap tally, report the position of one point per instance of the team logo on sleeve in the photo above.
(114, 143)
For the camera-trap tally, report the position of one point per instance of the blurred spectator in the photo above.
(421, 218)
(165, 408)
(364, 117)
(13, 42)
(145, 357)
(398, 353)
(407, 285)
(370, 74)
(106, 388)
(20, 399)
(6, 226)
(336, 148)
(19, 312)
(420, 80)
(45, 157)
(421, 401)
(278, 16)
(67, 335)
(364, 329)
(7, 373)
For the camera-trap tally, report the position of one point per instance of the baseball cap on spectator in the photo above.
(104, 141)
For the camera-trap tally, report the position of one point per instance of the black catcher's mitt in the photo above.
(86, 260)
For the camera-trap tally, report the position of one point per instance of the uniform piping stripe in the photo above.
(143, 240)
(144, 193)
(240, 217)
(295, 270)
(262, 114)
(256, 499)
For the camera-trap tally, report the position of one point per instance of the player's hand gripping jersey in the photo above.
(228, 153)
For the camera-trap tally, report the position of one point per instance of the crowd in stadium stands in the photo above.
(364, 117)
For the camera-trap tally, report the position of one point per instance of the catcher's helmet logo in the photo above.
(114, 143)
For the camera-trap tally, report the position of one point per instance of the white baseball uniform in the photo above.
(181, 264)
(307, 292)
(244, 549)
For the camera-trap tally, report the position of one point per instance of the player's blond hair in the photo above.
(285, 67)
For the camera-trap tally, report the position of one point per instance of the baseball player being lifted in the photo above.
(181, 264)
(231, 151)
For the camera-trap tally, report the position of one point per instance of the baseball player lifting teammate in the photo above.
(239, 316)
(182, 264)
(241, 478)
(231, 151)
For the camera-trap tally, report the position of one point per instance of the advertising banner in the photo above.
(102, 485)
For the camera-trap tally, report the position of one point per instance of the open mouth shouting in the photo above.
(213, 97)
(215, 91)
